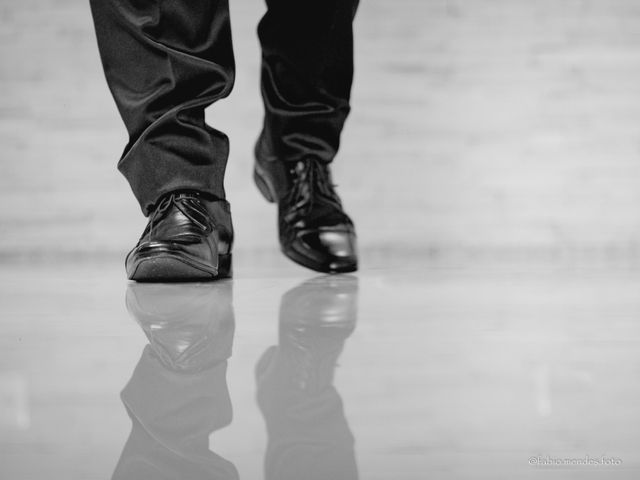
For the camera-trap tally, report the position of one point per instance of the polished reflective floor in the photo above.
(420, 371)
(491, 165)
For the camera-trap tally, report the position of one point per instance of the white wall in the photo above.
(477, 126)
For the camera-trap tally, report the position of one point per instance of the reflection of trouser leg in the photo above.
(164, 63)
(307, 70)
(173, 415)
(178, 395)
(308, 433)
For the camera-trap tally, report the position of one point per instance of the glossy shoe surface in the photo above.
(187, 238)
(314, 230)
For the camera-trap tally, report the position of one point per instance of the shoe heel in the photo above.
(263, 186)
(225, 267)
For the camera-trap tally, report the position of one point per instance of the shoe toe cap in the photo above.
(335, 243)
(331, 249)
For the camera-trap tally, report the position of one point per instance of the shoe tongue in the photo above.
(180, 197)
(317, 188)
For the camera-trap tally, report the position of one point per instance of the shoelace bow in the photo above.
(165, 204)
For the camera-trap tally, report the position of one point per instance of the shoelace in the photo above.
(174, 199)
(311, 185)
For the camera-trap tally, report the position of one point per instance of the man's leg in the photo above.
(307, 71)
(165, 61)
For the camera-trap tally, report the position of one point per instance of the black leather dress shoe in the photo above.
(314, 230)
(187, 238)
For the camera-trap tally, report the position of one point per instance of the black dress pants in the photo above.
(167, 60)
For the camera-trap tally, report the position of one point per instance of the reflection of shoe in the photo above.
(178, 395)
(316, 318)
(313, 227)
(306, 426)
(189, 326)
(187, 239)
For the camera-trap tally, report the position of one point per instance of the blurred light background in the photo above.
(484, 128)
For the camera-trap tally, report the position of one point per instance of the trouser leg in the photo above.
(165, 62)
(307, 71)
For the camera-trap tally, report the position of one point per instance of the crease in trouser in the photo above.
(307, 73)
(165, 62)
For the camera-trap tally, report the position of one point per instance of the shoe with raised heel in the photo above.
(314, 230)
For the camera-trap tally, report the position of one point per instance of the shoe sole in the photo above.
(334, 267)
(171, 268)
